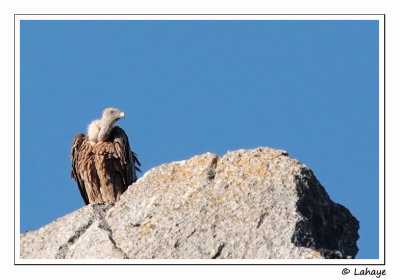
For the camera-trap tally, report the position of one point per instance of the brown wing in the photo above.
(116, 165)
(74, 172)
(84, 170)
(130, 158)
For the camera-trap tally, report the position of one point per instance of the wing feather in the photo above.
(79, 138)
(130, 159)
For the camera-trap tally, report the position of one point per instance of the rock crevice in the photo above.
(62, 251)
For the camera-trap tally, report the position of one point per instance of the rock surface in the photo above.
(247, 204)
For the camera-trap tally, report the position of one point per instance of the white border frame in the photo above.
(380, 18)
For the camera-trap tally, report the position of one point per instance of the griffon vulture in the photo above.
(103, 164)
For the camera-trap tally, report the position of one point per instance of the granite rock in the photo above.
(248, 204)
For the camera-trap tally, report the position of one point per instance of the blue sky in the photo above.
(190, 87)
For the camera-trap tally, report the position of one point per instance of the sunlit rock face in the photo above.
(248, 204)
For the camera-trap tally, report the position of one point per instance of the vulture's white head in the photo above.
(111, 115)
(99, 130)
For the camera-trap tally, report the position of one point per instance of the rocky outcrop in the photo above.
(257, 203)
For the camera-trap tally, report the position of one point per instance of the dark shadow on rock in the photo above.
(326, 226)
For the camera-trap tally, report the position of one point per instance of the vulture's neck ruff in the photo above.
(99, 130)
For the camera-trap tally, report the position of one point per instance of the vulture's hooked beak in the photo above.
(122, 115)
